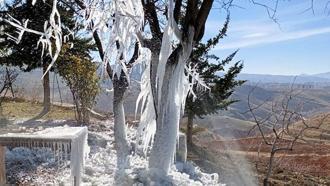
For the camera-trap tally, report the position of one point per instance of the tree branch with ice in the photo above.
(50, 37)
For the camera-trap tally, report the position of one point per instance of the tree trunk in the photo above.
(189, 131)
(46, 86)
(162, 153)
(169, 109)
(86, 117)
(79, 112)
(155, 48)
(121, 144)
(270, 164)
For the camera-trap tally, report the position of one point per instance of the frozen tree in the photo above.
(115, 26)
(168, 79)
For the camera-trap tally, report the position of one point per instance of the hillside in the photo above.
(301, 79)
(227, 127)
(313, 100)
(307, 164)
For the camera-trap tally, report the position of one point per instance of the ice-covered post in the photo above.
(181, 149)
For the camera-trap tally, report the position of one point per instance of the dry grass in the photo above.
(19, 108)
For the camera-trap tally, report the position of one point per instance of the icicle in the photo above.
(165, 50)
(66, 149)
(147, 126)
(53, 150)
(57, 154)
(61, 153)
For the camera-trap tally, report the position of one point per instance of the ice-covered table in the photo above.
(71, 140)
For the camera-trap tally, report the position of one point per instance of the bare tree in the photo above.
(8, 77)
(271, 7)
(284, 126)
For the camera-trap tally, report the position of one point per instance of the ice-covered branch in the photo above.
(195, 80)
(50, 37)
(118, 24)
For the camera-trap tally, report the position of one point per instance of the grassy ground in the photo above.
(19, 108)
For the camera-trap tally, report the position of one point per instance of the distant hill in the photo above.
(323, 75)
(228, 127)
(315, 99)
(266, 78)
(236, 121)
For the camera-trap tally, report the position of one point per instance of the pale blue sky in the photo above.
(299, 44)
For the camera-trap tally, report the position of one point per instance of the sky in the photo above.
(298, 44)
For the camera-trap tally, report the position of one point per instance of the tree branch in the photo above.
(177, 10)
(151, 16)
(201, 19)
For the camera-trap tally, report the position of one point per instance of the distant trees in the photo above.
(8, 76)
(284, 126)
(209, 101)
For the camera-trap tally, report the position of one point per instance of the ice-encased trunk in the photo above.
(174, 90)
(121, 144)
(163, 150)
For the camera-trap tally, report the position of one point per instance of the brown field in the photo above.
(308, 163)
